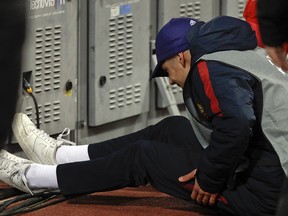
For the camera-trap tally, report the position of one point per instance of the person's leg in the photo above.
(164, 131)
(57, 151)
(68, 154)
(157, 163)
(158, 154)
(173, 130)
(12, 28)
(143, 161)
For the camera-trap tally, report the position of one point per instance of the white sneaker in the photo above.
(13, 169)
(37, 145)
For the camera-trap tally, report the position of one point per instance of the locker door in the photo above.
(50, 63)
(118, 59)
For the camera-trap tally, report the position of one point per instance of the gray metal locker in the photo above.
(119, 33)
(50, 63)
(233, 8)
(198, 9)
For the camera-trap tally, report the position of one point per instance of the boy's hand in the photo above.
(199, 195)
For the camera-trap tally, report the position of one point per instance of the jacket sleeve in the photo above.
(272, 17)
(232, 119)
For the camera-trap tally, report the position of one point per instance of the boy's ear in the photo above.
(181, 58)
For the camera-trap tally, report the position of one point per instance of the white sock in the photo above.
(68, 154)
(41, 176)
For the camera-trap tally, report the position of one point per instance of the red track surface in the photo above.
(129, 202)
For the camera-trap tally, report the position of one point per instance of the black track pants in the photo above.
(157, 155)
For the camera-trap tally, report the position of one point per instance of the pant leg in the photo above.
(12, 28)
(174, 130)
(141, 162)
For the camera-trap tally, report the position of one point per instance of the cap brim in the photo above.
(158, 72)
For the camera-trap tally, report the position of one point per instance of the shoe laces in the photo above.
(65, 133)
(59, 141)
(14, 170)
(10, 165)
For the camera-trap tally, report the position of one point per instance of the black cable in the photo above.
(27, 87)
(30, 202)
(6, 193)
(39, 205)
(26, 203)
(16, 199)
(37, 110)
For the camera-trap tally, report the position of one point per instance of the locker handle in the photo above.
(102, 80)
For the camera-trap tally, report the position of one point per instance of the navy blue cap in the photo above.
(171, 40)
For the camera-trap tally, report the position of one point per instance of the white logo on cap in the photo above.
(192, 22)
